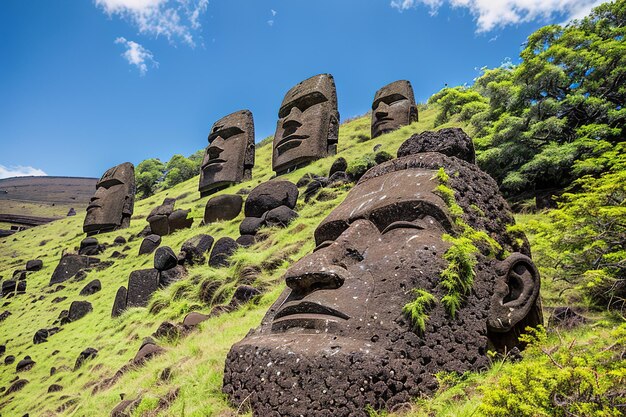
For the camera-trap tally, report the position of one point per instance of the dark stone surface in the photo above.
(54, 388)
(86, 354)
(193, 319)
(450, 142)
(9, 360)
(79, 309)
(393, 107)
(141, 285)
(245, 240)
(89, 246)
(70, 265)
(19, 275)
(91, 288)
(222, 207)
(229, 158)
(339, 165)
(338, 339)
(178, 220)
(269, 195)
(170, 276)
(8, 287)
(34, 265)
(119, 304)
(167, 331)
(21, 287)
(308, 124)
(41, 336)
(280, 216)
(382, 156)
(165, 258)
(148, 350)
(159, 224)
(25, 364)
(339, 177)
(149, 244)
(16, 386)
(119, 240)
(251, 225)
(313, 188)
(222, 250)
(5, 315)
(112, 205)
(71, 212)
(243, 294)
(193, 250)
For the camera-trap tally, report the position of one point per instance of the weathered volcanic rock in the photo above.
(25, 364)
(8, 287)
(148, 350)
(16, 386)
(9, 360)
(40, 336)
(167, 330)
(270, 195)
(86, 354)
(159, 224)
(119, 305)
(222, 250)
(246, 240)
(89, 246)
(70, 265)
(193, 319)
(5, 314)
(243, 294)
(338, 178)
(169, 276)
(19, 275)
(91, 288)
(79, 309)
(149, 244)
(450, 142)
(71, 212)
(340, 164)
(21, 287)
(251, 225)
(141, 285)
(165, 258)
(54, 388)
(34, 265)
(119, 240)
(280, 216)
(178, 220)
(193, 250)
(222, 207)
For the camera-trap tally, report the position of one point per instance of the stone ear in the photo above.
(515, 292)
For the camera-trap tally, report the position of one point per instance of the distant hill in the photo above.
(44, 197)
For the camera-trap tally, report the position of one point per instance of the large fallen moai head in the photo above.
(393, 107)
(414, 273)
(229, 158)
(308, 124)
(112, 205)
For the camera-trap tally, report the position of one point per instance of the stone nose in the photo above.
(293, 119)
(382, 110)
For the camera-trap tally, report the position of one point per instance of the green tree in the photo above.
(179, 169)
(147, 176)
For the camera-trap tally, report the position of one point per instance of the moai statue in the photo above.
(376, 310)
(308, 124)
(229, 158)
(393, 107)
(112, 205)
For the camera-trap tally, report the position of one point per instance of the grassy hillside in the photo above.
(196, 361)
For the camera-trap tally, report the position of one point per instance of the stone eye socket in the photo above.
(323, 245)
(388, 100)
(108, 183)
(302, 103)
(225, 133)
(402, 224)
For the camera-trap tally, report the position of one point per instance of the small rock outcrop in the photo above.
(86, 354)
(91, 288)
(194, 250)
(34, 265)
(222, 250)
(164, 220)
(78, 310)
(90, 246)
(222, 207)
(149, 244)
(70, 265)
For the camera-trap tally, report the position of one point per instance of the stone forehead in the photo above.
(322, 83)
(241, 119)
(402, 87)
(122, 172)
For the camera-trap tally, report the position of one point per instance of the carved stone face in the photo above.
(229, 158)
(393, 107)
(308, 124)
(112, 205)
(340, 326)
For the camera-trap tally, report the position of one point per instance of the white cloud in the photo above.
(19, 171)
(490, 14)
(271, 21)
(137, 55)
(273, 12)
(174, 19)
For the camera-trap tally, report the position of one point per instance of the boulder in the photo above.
(149, 244)
(243, 294)
(119, 240)
(54, 388)
(178, 220)
(193, 319)
(9, 360)
(79, 309)
(159, 225)
(338, 178)
(70, 265)
(41, 336)
(222, 207)
(450, 142)
(34, 265)
(91, 288)
(270, 195)
(340, 164)
(21, 287)
(5, 314)
(222, 250)
(193, 250)
(147, 351)
(251, 225)
(246, 240)
(89, 246)
(141, 285)
(8, 287)
(165, 258)
(19, 275)
(25, 364)
(86, 354)
(169, 276)
(167, 330)
(16, 386)
(119, 305)
(280, 216)
(71, 212)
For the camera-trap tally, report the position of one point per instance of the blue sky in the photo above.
(85, 85)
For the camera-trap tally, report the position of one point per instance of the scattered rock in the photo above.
(34, 265)
(89, 246)
(21, 287)
(270, 195)
(243, 294)
(9, 360)
(246, 240)
(338, 178)
(141, 285)
(5, 314)
(91, 288)
(149, 244)
(382, 156)
(16, 386)
(19, 275)
(41, 336)
(193, 319)
(251, 225)
(78, 310)
(86, 354)
(222, 207)
(119, 240)
(71, 212)
(119, 305)
(193, 250)
(147, 351)
(169, 276)
(222, 250)
(54, 388)
(70, 265)
(25, 364)
(168, 331)
(340, 164)
(178, 220)
(165, 258)
(280, 216)
(58, 300)
(8, 287)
